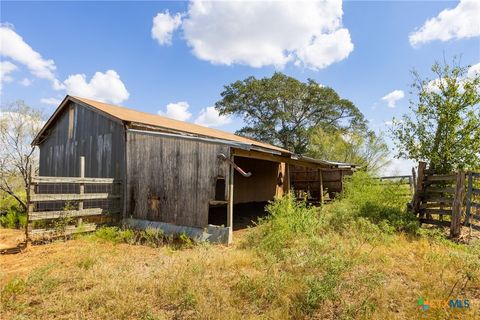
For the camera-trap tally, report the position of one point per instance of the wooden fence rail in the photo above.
(448, 197)
(69, 209)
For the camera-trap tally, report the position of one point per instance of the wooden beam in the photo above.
(469, 199)
(31, 191)
(275, 158)
(456, 223)
(435, 205)
(320, 180)
(42, 215)
(440, 177)
(41, 233)
(420, 177)
(72, 197)
(435, 222)
(230, 202)
(437, 211)
(41, 179)
(81, 187)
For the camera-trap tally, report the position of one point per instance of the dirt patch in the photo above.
(10, 238)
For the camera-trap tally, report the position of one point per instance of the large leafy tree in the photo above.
(444, 125)
(365, 149)
(282, 110)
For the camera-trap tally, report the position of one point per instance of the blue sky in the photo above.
(203, 48)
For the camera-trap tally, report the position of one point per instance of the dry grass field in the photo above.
(350, 260)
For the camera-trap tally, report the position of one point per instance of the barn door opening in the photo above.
(251, 194)
(217, 211)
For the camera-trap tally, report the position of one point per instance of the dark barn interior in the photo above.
(250, 194)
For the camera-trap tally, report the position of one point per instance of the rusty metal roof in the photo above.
(141, 118)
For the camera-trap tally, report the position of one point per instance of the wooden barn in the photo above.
(177, 176)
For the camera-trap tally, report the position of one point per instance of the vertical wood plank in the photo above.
(320, 181)
(230, 202)
(420, 177)
(469, 199)
(31, 191)
(456, 223)
(81, 187)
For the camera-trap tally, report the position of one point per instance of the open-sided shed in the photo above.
(177, 176)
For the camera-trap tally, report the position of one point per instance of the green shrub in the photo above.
(288, 219)
(13, 288)
(13, 219)
(115, 234)
(151, 237)
(384, 204)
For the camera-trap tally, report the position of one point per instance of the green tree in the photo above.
(282, 110)
(367, 150)
(444, 127)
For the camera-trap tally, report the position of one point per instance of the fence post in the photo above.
(420, 177)
(456, 223)
(320, 181)
(81, 187)
(31, 190)
(469, 199)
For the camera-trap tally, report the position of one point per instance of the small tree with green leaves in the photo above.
(19, 124)
(365, 149)
(444, 127)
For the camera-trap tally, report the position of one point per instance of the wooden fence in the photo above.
(473, 198)
(446, 199)
(62, 206)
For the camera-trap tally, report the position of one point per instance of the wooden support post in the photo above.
(230, 203)
(81, 187)
(417, 196)
(320, 189)
(31, 191)
(287, 178)
(456, 223)
(468, 210)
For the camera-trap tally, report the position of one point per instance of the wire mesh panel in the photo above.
(61, 206)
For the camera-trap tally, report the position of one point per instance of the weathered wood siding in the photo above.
(308, 179)
(172, 179)
(79, 131)
(262, 185)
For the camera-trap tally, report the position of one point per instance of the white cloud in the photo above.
(209, 117)
(25, 82)
(106, 87)
(51, 101)
(388, 123)
(163, 26)
(177, 111)
(473, 71)
(393, 97)
(459, 22)
(6, 67)
(326, 49)
(264, 33)
(14, 47)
